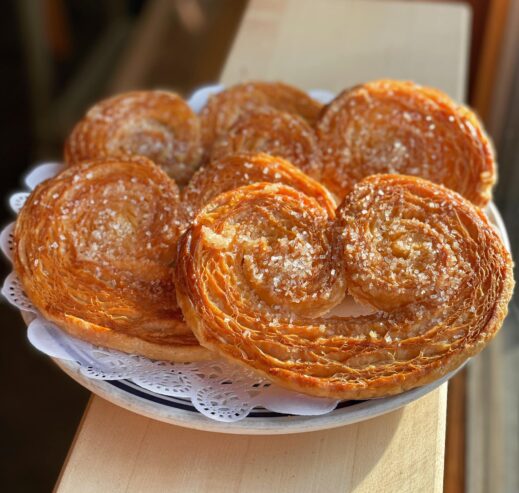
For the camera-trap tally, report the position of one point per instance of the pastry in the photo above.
(94, 248)
(400, 127)
(257, 227)
(158, 125)
(273, 132)
(260, 261)
(236, 170)
(225, 108)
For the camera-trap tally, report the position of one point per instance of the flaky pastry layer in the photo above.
(94, 248)
(425, 258)
(158, 125)
(234, 171)
(224, 109)
(400, 127)
(276, 133)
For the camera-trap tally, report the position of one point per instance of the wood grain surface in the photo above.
(328, 44)
(118, 451)
(333, 44)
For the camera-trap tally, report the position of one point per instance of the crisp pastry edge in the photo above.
(103, 336)
(393, 385)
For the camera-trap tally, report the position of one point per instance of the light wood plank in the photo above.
(328, 44)
(119, 451)
(334, 44)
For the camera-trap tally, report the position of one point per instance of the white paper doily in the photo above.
(217, 389)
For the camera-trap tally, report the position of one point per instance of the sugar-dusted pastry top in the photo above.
(158, 125)
(267, 254)
(400, 127)
(94, 248)
(224, 109)
(236, 170)
(276, 133)
(260, 262)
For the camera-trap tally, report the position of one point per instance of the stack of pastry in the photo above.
(286, 208)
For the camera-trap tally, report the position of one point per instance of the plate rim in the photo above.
(363, 411)
(283, 424)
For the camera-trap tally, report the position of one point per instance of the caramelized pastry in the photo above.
(158, 125)
(280, 238)
(236, 170)
(261, 261)
(224, 109)
(275, 133)
(94, 248)
(400, 127)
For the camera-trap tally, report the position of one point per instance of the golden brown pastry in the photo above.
(225, 108)
(236, 170)
(158, 125)
(276, 133)
(400, 127)
(280, 255)
(94, 247)
(259, 260)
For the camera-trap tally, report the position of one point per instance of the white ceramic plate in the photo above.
(260, 421)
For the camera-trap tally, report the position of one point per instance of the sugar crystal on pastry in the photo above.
(158, 125)
(226, 173)
(400, 127)
(437, 278)
(94, 256)
(224, 109)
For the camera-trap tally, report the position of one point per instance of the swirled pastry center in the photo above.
(158, 125)
(426, 259)
(275, 133)
(104, 234)
(394, 138)
(151, 138)
(279, 255)
(397, 255)
(399, 127)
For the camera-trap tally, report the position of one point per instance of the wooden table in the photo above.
(328, 44)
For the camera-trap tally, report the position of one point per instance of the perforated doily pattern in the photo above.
(13, 291)
(218, 390)
(17, 200)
